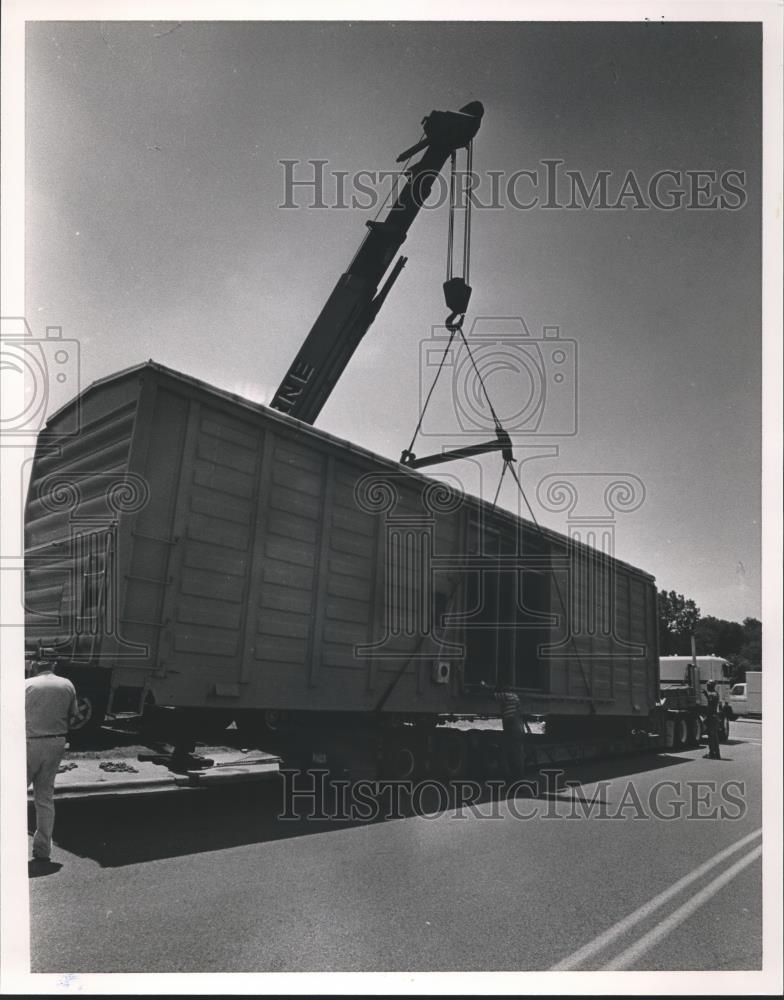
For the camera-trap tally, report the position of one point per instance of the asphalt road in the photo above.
(214, 881)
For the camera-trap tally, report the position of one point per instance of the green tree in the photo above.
(751, 649)
(738, 667)
(719, 636)
(678, 617)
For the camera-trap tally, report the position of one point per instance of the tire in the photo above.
(493, 758)
(473, 744)
(451, 754)
(260, 730)
(695, 731)
(401, 760)
(273, 720)
(92, 710)
(681, 732)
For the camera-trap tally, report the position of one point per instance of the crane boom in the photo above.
(354, 302)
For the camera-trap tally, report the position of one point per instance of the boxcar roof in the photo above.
(307, 430)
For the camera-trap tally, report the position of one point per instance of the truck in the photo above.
(197, 561)
(682, 682)
(745, 699)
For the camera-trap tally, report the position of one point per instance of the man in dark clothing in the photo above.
(514, 730)
(712, 720)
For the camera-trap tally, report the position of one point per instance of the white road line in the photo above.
(661, 930)
(622, 926)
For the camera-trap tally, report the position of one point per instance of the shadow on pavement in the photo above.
(37, 868)
(620, 767)
(131, 829)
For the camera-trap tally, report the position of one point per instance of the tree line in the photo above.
(738, 642)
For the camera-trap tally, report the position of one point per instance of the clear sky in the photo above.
(154, 231)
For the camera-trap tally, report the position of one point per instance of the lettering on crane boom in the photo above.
(297, 378)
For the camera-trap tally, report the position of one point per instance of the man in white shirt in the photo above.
(50, 710)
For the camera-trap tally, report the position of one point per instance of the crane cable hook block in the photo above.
(457, 291)
(457, 294)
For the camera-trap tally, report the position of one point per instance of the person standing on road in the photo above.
(712, 720)
(514, 731)
(50, 710)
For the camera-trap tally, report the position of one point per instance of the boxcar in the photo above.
(190, 548)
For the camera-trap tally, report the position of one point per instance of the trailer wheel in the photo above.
(695, 731)
(681, 732)
(91, 707)
(260, 730)
(272, 720)
(400, 761)
(493, 758)
(473, 745)
(451, 753)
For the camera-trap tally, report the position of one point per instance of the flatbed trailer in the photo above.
(485, 764)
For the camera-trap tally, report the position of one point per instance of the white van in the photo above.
(746, 699)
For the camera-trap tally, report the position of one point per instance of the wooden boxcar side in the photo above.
(267, 565)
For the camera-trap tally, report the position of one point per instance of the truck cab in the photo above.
(737, 700)
(677, 673)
